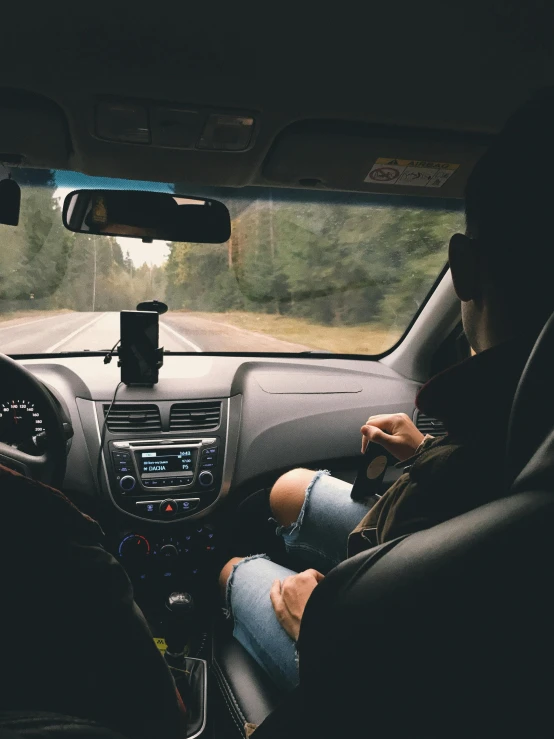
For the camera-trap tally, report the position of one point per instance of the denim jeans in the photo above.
(318, 539)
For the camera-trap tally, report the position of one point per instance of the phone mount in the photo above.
(140, 357)
(155, 306)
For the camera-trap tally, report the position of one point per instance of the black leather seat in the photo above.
(247, 694)
(43, 725)
(448, 632)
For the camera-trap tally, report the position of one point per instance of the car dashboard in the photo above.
(178, 457)
(269, 414)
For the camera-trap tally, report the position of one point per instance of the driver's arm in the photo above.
(130, 685)
(74, 640)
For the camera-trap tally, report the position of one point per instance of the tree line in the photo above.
(45, 266)
(335, 260)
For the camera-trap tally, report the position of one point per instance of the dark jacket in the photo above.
(461, 471)
(73, 639)
(449, 476)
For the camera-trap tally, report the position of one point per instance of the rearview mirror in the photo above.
(147, 216)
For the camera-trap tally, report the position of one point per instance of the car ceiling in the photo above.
(330, 91)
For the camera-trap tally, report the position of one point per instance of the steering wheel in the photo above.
(48, 467)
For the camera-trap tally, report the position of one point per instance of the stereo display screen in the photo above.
(158, 461)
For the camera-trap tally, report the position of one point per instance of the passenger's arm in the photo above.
(395, 432)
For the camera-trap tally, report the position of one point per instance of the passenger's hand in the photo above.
(289, 599)
(395, 432)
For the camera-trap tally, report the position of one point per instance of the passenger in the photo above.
(502, 273)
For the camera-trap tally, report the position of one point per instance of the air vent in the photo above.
(135, 417)
(195, 416)
(428, 425)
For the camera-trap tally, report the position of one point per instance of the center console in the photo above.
(165, 464)
(168, 461)
(165, 479)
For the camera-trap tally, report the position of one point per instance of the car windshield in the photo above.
(303, 271)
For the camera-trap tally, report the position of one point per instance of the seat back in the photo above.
(43, 725)
(529, 463)
(448, 632)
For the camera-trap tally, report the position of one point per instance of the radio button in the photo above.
(121, 456)
(147, 506)
(208, 458)
(205, 479)
(188, 505)
(127, 483)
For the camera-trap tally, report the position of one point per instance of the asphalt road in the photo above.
(68, 332)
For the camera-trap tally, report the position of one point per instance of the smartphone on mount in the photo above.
(139, 355)
(370, 481)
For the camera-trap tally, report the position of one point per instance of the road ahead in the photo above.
(74, 332)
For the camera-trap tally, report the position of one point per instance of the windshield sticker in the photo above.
(410, 172)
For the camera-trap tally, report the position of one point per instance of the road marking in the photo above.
(37, 320)
(53, 348)
(179, 336)
(247, 332)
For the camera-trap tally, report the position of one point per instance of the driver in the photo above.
(501, 269)
(73, 639)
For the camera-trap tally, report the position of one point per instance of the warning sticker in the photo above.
(410, 172)
(160, 643)
(385, 171)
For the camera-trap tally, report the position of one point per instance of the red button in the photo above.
(168, 507)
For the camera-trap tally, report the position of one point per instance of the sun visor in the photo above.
(374, 159)
(33, 131)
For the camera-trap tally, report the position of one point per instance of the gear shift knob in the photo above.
(179, 616)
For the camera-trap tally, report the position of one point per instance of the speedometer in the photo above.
(21, 425)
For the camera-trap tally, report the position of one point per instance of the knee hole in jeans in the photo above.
(288, 493)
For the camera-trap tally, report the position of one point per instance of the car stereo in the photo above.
(165, 478)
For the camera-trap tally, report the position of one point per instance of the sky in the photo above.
(155, 253)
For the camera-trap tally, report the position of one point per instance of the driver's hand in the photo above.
(395, 432)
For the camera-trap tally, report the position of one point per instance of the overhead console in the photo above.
(173, 126)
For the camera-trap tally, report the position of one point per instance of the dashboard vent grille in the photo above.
(195, 416)
(133, 417)
(428, 425)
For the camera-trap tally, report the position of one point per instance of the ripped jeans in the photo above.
(317, 539)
